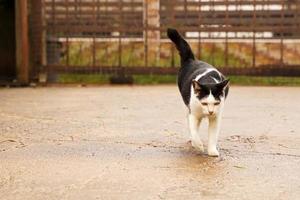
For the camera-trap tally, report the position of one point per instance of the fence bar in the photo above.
(120, 33)
(199, 32)
(172, 9)
(67, 33)
(226, 39)
(106, 44)
(254, 36)
(94, 38)
(212, 59)
(146, 33)
(281, 33)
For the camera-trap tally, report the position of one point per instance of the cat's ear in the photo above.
(196, 86)
(222, 85)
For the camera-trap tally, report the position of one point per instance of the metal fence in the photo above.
(257, 37)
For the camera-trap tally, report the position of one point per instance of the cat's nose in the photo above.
(211, 112)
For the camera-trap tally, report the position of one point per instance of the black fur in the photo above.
(191, 68)
(217, 90)
(181, 45)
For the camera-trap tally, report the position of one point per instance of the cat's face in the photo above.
(210, 96)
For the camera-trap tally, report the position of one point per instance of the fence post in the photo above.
(38, 40)
(152, 32)
(22, 42)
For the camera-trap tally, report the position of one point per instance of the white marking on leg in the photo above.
(194, 124)
(213, 133)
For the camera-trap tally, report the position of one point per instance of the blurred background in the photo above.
(124, 41)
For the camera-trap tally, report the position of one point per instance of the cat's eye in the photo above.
(217, 103)
(204, 104)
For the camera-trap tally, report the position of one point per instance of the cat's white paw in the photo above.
(213, 152)
(198, 145)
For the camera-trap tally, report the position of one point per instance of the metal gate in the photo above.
(257, 37)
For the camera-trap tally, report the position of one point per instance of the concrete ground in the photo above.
(132, 143)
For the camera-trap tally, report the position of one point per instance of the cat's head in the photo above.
(210, 95)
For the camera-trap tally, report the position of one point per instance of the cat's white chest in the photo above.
(194, 106)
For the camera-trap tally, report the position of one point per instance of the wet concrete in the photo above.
(132, 143)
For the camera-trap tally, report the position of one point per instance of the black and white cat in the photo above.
(203, 89)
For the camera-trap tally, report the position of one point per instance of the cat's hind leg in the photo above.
(194, 124)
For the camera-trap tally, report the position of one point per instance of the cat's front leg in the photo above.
(194, 123)
(213, 134)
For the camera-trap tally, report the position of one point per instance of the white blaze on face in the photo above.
(210, 104)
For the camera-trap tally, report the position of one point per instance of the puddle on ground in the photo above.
(194, 161)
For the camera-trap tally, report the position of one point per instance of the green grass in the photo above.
(83, 78)
(154, 79)
(171, 79)
(264, 81)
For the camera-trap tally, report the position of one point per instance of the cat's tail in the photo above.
(182, 46)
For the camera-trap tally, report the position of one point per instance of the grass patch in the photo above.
(83, 78)
(154, 79)
(171, 79)
(264, 81)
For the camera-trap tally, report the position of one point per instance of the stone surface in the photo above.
(132, 143)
